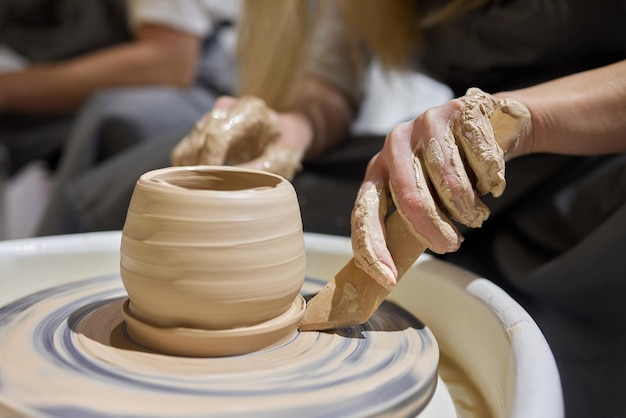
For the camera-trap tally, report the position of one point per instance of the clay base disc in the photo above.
(66, 352)
(205, 343)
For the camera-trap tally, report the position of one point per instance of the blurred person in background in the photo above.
(84, 81)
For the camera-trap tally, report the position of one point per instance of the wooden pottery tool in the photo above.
(352, 296)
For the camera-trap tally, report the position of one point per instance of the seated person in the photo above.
(163, 66)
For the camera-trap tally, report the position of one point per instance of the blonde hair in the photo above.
(274, 37)
(272, 47)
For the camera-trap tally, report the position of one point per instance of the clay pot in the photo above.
(210, 249)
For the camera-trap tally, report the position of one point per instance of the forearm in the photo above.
(582, 114)
(64, 86)
(329, 113)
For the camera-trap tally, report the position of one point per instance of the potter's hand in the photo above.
(433, 168)
(243, 132)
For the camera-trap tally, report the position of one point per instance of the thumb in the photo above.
(278, 160)
(508, 121)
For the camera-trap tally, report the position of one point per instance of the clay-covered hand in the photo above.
(242, 131)
(432, 169)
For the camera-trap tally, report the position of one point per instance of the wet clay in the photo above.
(480, 134)
(233, 135)
(212, 259)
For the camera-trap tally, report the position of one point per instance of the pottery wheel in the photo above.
(65, 352)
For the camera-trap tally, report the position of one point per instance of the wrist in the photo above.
(301, 128)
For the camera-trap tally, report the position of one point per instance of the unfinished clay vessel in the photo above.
(213, 259)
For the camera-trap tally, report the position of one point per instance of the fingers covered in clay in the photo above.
(475, 134)
(441, 159)
(368, 238)
(279, 160)
(426, 219)
(422, 215)
(458, 155)
(432, 185)
(487, 128)
(434, 170)
(234, 132)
